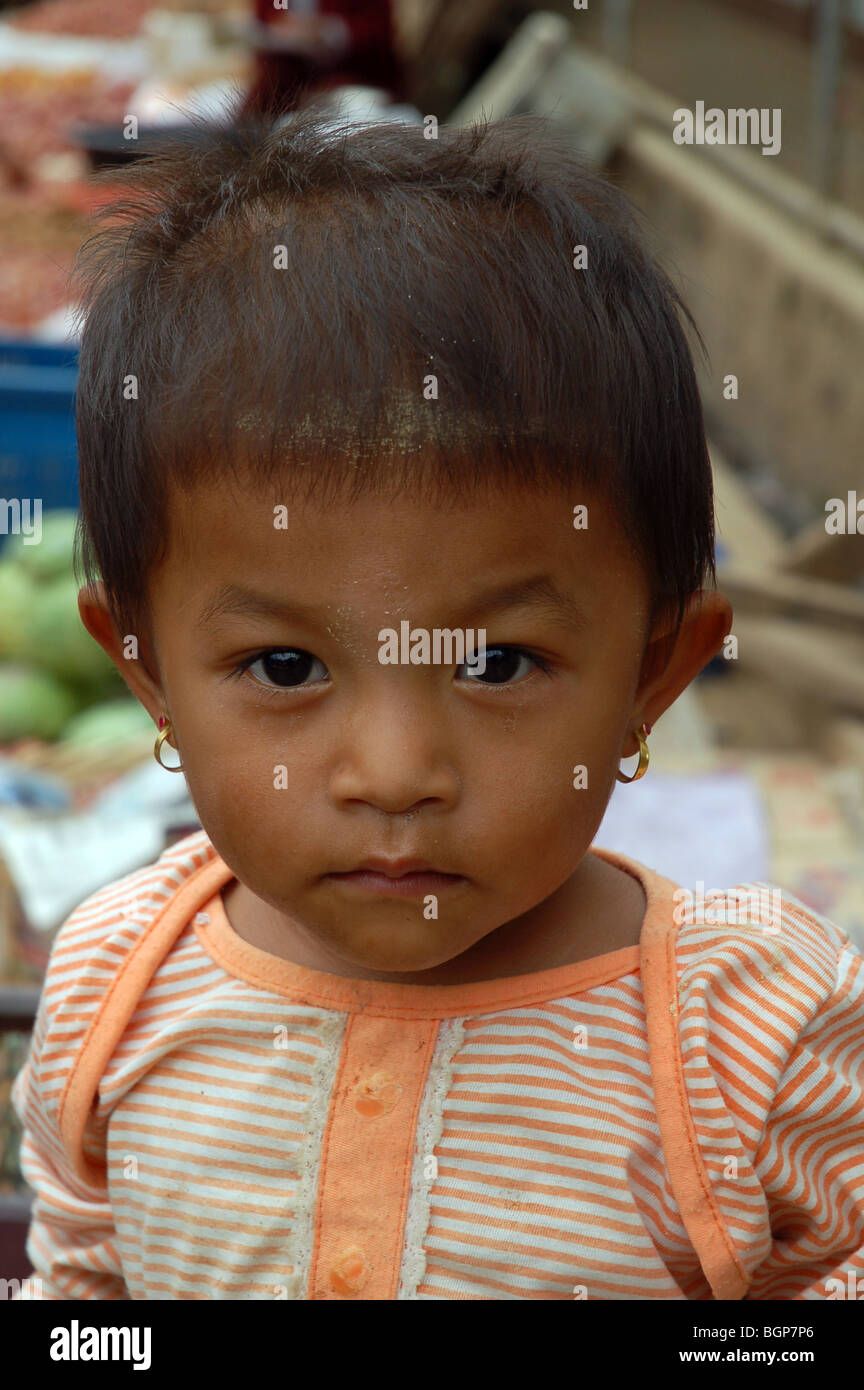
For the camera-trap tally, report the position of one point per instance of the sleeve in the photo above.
(767, 1166)
(72, 1241)
(810, 1159)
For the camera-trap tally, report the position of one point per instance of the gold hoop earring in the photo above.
(165, 728)
(644, 756)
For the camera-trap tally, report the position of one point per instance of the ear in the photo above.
(123, 649)
(707, 621)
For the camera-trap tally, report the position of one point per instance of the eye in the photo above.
(502, 664)
(284, 668)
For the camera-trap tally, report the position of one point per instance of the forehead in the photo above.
(395, 544)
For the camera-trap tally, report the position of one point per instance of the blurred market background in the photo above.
(757, 771)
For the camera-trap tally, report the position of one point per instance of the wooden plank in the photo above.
(815, 553)
(749, 535)
(508, 83)
(413, 21)
(844, 742)
(827, 666)
(439, 68)
(815, 598)
(595, 115)
(453, 26)
(540, 73)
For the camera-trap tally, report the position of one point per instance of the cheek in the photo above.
(548, 795)
(251, 794)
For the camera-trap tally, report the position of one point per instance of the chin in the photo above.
(387, 961)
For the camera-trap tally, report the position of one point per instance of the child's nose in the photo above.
(395, 765)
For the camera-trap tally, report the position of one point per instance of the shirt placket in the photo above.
(368, 1157)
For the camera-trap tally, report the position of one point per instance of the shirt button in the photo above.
(376, 1094)
(350, 1271)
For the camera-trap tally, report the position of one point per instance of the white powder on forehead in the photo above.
(340, 620)
(404, 424)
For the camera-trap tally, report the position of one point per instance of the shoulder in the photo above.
(754, 944)
(100, 932)
(770, 1038)
(770, 1015)
(762, 951)
(91, 948)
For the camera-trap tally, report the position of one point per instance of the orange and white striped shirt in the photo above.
(681, 1119)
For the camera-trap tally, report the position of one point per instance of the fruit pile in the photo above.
(108, 19)
(55, 679)
(42, 222)
(104, 19)
(40, 235)
(39, 109)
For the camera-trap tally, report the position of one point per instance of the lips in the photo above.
(397, 868)
(397, 876)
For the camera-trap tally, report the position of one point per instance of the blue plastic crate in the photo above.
(38, 450)
(22, 352)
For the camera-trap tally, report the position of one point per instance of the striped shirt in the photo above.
(678, 1119)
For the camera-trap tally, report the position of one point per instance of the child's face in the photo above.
(472, 773)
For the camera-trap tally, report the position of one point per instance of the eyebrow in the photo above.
(539, 592)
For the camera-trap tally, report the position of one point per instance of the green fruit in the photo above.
(16, 600)
(115, 721)
(32, 704)
(51, 556)
(56, 640)
(108, 685)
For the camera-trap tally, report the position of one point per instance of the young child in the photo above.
(397, 518)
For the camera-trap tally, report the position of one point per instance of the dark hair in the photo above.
(401, 257)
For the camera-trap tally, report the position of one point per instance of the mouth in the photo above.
(400, 878)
